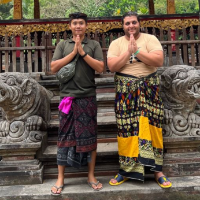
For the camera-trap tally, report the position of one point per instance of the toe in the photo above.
(168, 183)
(59, 191)
(54, 190)
(99, 186)
(94, 186)
(113, 181)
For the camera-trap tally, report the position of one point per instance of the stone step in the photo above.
(175, 163)
(100, 97)
(100, 139)
(101, 120)
(101, 112)
(111, 148)
(105, 108)
(99, 81)
(107, 162)
(102, 150)
(183, 188)
(101, 169)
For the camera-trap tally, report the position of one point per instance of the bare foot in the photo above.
(59, 186)
(96, 185)
(119, 179)
(157, 175)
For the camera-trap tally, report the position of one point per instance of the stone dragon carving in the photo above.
(25, 106)
(180, 88)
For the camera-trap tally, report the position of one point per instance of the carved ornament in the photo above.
(96, 26)
(25, 106)
(180, 90)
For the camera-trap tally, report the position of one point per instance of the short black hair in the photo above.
(77, 15)
(129, 14)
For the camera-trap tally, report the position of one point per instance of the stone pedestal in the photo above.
(182, 157)
(180, 91)
(25, 107)
(21, 172)
(19, 164)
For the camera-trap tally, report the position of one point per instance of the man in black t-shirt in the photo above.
(77, 135)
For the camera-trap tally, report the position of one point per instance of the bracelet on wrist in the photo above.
(84, 55)
(135, 54)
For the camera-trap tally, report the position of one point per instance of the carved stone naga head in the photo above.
(180, 87)
(21, 96)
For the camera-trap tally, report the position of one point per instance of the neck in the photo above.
(137, 36)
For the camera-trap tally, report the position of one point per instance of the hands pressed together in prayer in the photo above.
(78, 47)
(132, 47)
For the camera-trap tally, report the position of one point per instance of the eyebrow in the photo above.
(131, 21)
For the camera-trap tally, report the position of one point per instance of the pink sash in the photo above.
(65, 104)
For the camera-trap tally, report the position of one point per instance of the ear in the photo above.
(26, 87)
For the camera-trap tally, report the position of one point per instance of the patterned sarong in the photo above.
(139, 114)
(77, 135)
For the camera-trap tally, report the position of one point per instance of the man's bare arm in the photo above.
(92, 62)
(116, 63)
(154, 58)
(58, 64)
(95, 64)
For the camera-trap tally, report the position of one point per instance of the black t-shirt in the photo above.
(82, 84)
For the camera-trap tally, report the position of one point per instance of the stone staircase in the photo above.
(107, 156)
(181, 157)
(181, 161)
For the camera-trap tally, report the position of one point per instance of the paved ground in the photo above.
(184, 188)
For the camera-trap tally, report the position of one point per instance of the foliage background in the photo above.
(95, 8)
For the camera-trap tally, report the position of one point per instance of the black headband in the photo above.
(78, 15)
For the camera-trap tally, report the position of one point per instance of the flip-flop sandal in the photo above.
(164, 179)
(57, 194)
(120, 179)
(92, 183)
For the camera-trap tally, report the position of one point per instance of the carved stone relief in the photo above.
(180, 89)
(25, 106)
(101, 27)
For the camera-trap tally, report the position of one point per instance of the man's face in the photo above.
(131, 26)
(78, 26)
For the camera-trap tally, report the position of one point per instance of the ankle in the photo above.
(60, 179)
(158, 174)
(91, 178)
